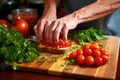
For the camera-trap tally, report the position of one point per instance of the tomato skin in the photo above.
(94, 46)
(22, 26)
(89, 60)
(104, 52)
(80, 59)
(73, 55)
(105, 58)
(79, 51)
(96, 53)
(5, 23)
(98, 61)
(87, 52)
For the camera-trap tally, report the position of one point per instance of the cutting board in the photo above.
(54, 64)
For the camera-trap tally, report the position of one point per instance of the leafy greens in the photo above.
(88, 35)
(14, 48)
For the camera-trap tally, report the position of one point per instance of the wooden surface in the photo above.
(107, 71)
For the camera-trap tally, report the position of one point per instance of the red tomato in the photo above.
(104, 52)
(96, 53)
(73, 55)
(94, 42)
(5, 23)
(81, 59)
(89, 60)
(86, 49)
(98, 61)
(87, 52)
(22, 26)
(79, 51)
(95, 46)
(86, 46)
(105, 58)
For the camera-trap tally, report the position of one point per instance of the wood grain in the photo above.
(107, 71)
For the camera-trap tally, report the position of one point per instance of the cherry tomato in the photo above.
(89, 60)
(95, 46)
(87, 52)
(79, 51)
(22, 26)
(5, 23)
(86, 46)
(98, 61)
(96, 53)
(104, 52)
(73, 55)
(105, 58)
(81, 59)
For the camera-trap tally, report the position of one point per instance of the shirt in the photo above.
(109, 24)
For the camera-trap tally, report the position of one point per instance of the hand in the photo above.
(41, 26)
(60, 27)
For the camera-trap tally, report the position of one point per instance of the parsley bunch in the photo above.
(88, 35)
(14, 48)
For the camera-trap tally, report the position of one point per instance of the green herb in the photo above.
(88, 35)
(15, 48)
(15, 66)
(42, 59)
(101, 44)
(53, 59)
(70, 62)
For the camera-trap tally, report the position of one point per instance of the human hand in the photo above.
(41, 26)
(60, 27)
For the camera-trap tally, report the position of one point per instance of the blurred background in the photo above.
(6, 6)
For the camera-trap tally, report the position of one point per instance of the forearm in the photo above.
(50, 7)
(97, 10)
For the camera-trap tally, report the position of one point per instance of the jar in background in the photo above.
(28, 14)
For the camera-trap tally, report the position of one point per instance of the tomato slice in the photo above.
(60, 44)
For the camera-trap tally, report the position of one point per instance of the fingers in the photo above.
(46, 32)
(39, 28)
(51, 31)
(65, 32)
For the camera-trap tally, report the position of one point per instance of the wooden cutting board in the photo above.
(53, 67)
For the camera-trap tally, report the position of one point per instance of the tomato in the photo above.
(98, 61)
(89, 60)
(87, 52)
(96, 53)
(86, 49)
(104, 52)
(79, 51)
(94, 46)
(73, 55)
(80, 59)
(22, 26)
(5, 23)
(105, 58)
(94, 42)
(86, 46)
